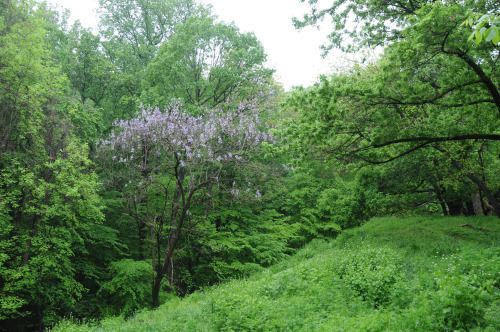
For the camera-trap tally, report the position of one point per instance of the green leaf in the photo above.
(491, 33)
(496, 39)
(479, 37)
(471, 36)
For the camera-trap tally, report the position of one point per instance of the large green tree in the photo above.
(135, 29)
(48, 190)
(132, 32)
(206, 63)
(433, 93)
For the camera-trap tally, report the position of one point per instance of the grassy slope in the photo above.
(391, 274)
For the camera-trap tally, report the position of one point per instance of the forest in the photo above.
(160, 157)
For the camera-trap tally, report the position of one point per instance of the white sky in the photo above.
(294, 54)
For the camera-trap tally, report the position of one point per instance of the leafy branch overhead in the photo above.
(431, 99)
(486, 27)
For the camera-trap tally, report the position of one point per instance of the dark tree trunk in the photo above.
(468, 209)
(439, 196)
(167, 269)
(141, 232)
(164, 266)
(156, 291)
(454, 207)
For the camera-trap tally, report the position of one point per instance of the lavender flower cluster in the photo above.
(175, 136)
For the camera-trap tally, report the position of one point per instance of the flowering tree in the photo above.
(166, 162)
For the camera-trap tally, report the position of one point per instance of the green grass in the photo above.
(413, 274)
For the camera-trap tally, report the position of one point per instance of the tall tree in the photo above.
(136, 28)
(132, 32)
(206, 63)
(432, 89)
(48, 190)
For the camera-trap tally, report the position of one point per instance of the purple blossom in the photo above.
(157, 140)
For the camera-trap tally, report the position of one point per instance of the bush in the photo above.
(130, 286)
(371, 272)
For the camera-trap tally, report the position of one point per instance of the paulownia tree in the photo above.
(167, 163)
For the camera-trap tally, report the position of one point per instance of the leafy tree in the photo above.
(132, 32)
(136, 28)
(206, 64)
(128, 288)
(431, 90)
(47, 216)
(486, 27)
(48, 190)
(87, 67)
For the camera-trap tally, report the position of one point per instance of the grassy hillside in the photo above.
(418, 274)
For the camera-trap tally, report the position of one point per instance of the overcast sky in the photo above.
(294, 54)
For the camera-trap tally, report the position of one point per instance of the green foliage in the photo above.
(486, 27)
(428, 106)
(135, 29)
(48, 190)
(321, 201)
(350, 203)
(39, 269)
(413, 132)
(248, 240)
(205, 63)
(367, 280)
(129, 288)
(370, 272)
(302, 209)
(461, 301)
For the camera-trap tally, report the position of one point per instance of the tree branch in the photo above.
(428, 139)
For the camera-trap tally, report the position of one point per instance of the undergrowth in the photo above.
(418, 274)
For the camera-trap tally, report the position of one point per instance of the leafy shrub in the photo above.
(370, 272)
(460, 301)
(130, 286)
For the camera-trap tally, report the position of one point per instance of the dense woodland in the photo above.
(160, 156)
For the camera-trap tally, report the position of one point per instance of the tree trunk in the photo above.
(170, 272)
(439, 196)
(156, 290)
(476, 202)
(167, 269)
(454, 207)
(141, 233)
(482, 186)
(176, 223)
(491, 198)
